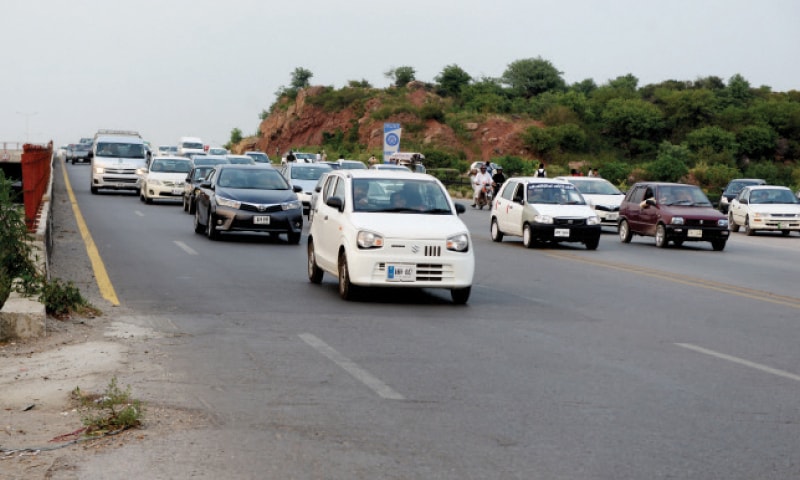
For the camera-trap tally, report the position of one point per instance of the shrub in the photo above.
(112, 410)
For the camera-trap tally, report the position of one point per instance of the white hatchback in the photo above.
(389, 229)
(601, 195)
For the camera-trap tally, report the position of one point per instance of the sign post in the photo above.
(391, 140)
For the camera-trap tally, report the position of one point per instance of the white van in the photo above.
(118, 157)
(188, 146)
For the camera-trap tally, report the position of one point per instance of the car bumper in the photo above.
(164, 191)
(116, 182)
(607, 218)
(441, 269)
(230, 220)
(565, 233)
(778, 224)
(696, 234)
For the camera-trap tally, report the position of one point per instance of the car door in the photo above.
(739, 205)
(633, 209)
(501, 204)
(515, 209)
(327, 222)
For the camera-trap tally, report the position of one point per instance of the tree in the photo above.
(451, 80)
(670, 164)
(628, 122)
(401, 76)
(300, 78)
(532, 76)
(236, 137)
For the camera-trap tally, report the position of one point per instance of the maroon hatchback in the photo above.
(671, 212)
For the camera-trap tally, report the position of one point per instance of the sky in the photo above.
(172, 68)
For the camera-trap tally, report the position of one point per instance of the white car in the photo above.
(164, 179)
(766, 207)
(543, 210)
(601, 195)
(379, 229)
(217, 151)
(306, 176)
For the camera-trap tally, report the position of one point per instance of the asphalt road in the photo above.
(628, 362)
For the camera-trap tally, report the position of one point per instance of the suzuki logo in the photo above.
(414, 248)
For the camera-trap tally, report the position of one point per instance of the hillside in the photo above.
(303, 123)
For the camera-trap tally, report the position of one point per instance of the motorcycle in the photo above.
(484, 196)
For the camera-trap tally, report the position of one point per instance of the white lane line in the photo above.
(352, 368)
(186, 248)
(741, 361)
(137, 212)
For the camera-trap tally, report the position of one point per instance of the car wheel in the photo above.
(785, 233)
(592, 244)
(293, 237)
(192, 205)
(733, 226)
(148, 200)
(718, 245)
(527, 236)
(497, 235)
(460, 295)
(185, 204)
(198, 227)
(93, 190)
(678, 242)
(314, 272)
(625, 234)
(747, 230)
(661, 236)
(211, 232)
(346, 289)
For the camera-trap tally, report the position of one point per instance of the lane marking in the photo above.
(186, 248)
(100, 274)
(741, 361)
(137, 212)
(753, 294)
(352, 368)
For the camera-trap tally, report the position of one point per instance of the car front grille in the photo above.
(426, 272)
(118, 171)
(607, 208)
(108, 179)
(253, 207)
(569, 221)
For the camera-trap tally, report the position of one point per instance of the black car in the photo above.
(734, 187)
(80, 153)
(247, 198)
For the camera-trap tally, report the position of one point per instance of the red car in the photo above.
(671, 212)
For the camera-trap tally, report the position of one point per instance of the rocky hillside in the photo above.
(302, 122)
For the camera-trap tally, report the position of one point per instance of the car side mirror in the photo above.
(460, 208)
(650, 202)
(297, 188)
(205, 184)
(91, 154)
(336, 202)
(744, 200)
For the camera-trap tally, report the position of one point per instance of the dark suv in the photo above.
(734, 187)
(671, 212)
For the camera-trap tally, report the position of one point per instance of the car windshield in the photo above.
(241, 160)
(266, 179)
(399, 196)
(120, 150)
(595, 187)
(352, 166)
(310, 172)
(554, 194)
(259, 157)
(773, 195)
(201, 172)
(736, 186)
(687, 195)
(305, 156)
(171, 166)
(200, 160)
(192, 145)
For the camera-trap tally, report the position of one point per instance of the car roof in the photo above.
(170, 157)
(583, 179)
(538, 180)
(244, 166)
(665, 184)
(376, 173)
(767, 187)
(117, 139)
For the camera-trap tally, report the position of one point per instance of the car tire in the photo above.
(93, 190)
(460, 296)
(198, 227)
(625, 234)
(148, 200)
(192, 205)
(678, 242)
(718, 245)
(732, 226)
(527, 236)
(346, 289)
(211, 232)
(747, 230)
(592, 244)
(497, 235)
(293, 237)
(661, 236)
(785, 233)
(314, 272)
(185, 204)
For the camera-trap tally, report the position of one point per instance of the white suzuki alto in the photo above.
(389, 229)
(543, 210)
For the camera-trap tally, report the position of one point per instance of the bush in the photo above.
(113, 410)
(714, 177)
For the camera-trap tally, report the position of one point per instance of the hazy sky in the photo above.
(172, 68)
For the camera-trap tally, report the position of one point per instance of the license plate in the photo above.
(561, 232)
(177, 191)
(261, 220)
(695, 233)
(401, 273)
(612, 216)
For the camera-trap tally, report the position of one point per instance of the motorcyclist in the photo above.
(479, 182)
(497, 179)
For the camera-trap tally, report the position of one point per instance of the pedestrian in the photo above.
(372, 160)
(541, 172)
(290, 157)
(591, 173)
(472, 174)
(596, 173)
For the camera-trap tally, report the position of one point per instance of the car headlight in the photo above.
(677, 221)
(293, 205)
(593, 220)
(722, 222)
(151, 181)
(227, 202)
(366, 239)
(548, 219)
(759, 215)
(141, 171)
(99, 170)
(723, 200)
(458, 243)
